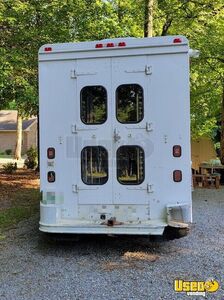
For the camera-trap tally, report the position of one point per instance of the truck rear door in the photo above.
(113, 131)
(93, 131)
(131, 130)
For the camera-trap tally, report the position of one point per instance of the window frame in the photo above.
(80, 112)
(107, 164)
(116, 102)
(143, 178)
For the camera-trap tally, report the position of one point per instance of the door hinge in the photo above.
(148, 70)
(148, 127)
(75, 188)
(73, 74)
(117, 137)
(149, 188)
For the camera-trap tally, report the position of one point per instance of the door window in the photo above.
(94, 165)
(93, 105)
(129, 103)
(130, 165)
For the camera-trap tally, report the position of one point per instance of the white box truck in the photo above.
(115, 136)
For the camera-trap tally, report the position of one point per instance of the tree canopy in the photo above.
(25, 25)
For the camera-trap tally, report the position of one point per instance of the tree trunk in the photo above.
(166, 26)
(19, 137)
(222, 128)
(148, 26)
(119, 13)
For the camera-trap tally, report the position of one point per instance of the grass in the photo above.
(11, 156)
(6, 156)
(14, 215)
(19, 198)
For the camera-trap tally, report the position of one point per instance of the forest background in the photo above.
(25, 25)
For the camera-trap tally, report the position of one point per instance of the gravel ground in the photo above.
(32, 267)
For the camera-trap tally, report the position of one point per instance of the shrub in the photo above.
(10, 168)
(8, 151)
(31, 160)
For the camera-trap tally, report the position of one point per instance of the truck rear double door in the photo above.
(112, 126)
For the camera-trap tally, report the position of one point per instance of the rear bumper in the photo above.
(156, 229)
(177, 217)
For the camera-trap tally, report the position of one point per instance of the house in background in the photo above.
(8, 125)
(202, 150)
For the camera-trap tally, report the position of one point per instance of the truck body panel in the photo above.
(115, 176)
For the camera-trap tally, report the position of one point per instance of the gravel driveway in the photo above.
(32, 267)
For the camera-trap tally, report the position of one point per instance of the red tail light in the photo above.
(47, 49)
(177, 175)
(110, 45)
(99, 46)
(177, 40)
(122, 44)
(51, 176)
(51, 153)
(177, 151)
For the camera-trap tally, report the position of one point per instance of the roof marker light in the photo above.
(110, 45)
(177, 40)
(122, 44)
(99, 46)
(47, 49)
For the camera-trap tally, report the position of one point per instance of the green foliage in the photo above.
(31, 160)
(8, 151)
(10, 168)
(28, 24)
